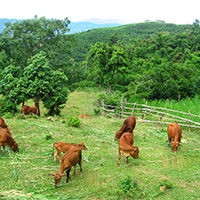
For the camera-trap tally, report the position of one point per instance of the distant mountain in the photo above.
(104, 21)
(76, 27)
(3, 21)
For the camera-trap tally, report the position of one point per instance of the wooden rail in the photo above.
(167, 115)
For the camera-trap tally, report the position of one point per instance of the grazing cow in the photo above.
(71, 158)
(64, 147)
(7, 140)
(84, 116)
(174, 134)
(28, 109)
(129, 125)
(3, 124)
(126, 148)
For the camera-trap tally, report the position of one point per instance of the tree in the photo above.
(46, 84)
(38, 80)
(29, 37)
(45, 46)
(108, 64)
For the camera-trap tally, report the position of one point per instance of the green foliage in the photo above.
(168, 184)
(108, 98)
(73, 121)
(48, 136)
(129, 187)
(7, 106)
(45, 45)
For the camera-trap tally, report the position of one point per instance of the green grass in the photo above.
(24, 175)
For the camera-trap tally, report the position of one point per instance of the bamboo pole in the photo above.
(163, 111)
(145, 111)
(133, 108)
(123, 108)
(189, 122)
(103, 107)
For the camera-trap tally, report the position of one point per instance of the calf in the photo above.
(64, 147)
(7, 140)
(126, 148)
(174, 134)
(129, 125)
(71, 158)
(3, 124)
(28, 109)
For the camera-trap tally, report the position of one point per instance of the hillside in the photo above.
(125, 34)
(156, 174)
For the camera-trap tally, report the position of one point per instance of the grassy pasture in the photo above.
(157, 174)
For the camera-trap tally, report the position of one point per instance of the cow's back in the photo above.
(126, 141)
(2, 123)
(4, 135)
(174, 129)
(72, 157)
(63, 146)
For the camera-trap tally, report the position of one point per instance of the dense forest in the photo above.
(150, 60)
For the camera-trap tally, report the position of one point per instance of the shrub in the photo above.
(75, 122)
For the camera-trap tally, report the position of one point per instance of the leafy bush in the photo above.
(7, 106)
(129, 187)
(97, 111)
(108, 98)
(75, 122)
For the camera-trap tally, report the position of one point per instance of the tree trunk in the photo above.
(37, 104)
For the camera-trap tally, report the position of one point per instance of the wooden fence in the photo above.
(167, 115)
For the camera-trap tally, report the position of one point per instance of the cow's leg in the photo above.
(67, 172)
(58, 154)
(127, 159)
(80, 164)
(0, 145)
(55, 157)
(74, 170)
(169, 140)
(4, 150)
(119, 158)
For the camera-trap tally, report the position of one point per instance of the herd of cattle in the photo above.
(72, 151)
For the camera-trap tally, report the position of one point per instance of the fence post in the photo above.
(123, 108)
(189, 122)
(103, 107)
(163, 111)
(145, 111)
(133, 108)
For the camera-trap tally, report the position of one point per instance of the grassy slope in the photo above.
(25, 175)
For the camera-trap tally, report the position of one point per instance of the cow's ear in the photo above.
(51, 174)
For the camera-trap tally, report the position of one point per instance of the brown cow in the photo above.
(29, 109)
(3, 124)
(126, 148)
(129, 125)
(7, 140)
(64, 147)
(84, 116)
(71, 158)
(174, 134)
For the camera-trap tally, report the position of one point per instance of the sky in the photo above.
(128, 11)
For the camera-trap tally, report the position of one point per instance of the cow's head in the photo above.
(175, 146)
(82, 145)
(135, 152)
(118, 134)
(57, 178)
(14, 147)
